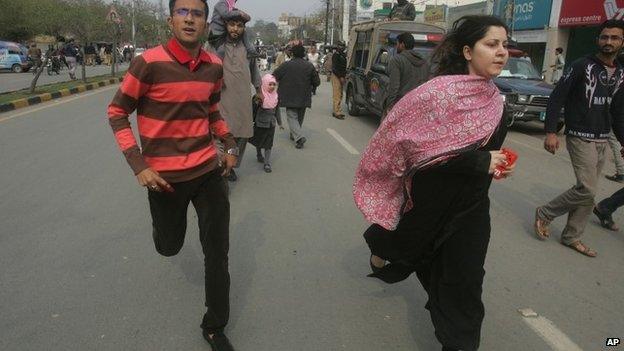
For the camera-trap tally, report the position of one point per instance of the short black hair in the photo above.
(173, 2)
(407, 39)
(612, 24)
(559, 50)
(298, 51)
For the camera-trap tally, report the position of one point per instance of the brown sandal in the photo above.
(578, 246)
(541, 227)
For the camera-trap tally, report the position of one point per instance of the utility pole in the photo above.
(160, 17)
(333, 21)
(345, 20)
(326, 19)
(133, 27)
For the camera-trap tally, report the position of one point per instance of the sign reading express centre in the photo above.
(590, 12)
(527, 14)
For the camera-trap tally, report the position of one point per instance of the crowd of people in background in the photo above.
(70, 54)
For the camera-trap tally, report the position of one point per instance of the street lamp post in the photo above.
(133, 27)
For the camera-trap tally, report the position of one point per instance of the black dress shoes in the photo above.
(300, 142)
(218, 341)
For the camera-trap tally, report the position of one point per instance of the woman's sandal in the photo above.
(578, 246)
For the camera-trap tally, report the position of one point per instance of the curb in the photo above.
(37, 99)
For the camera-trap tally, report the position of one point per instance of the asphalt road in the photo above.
(10, 81)
(78, 270)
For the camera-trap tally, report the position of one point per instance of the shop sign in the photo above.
(365, 9)
(435, 14)
(524, 14)
(584, 12)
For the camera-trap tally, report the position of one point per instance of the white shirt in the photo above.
(314, 59)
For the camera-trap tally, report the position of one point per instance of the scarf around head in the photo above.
(430, 124)
(231, 4)
(270, 99)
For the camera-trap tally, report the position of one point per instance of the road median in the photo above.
(23, 98)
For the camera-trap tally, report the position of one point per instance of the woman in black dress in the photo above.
(432, 216)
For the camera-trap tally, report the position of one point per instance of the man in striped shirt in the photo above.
(175, 89)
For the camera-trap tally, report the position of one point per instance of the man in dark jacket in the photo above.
(296, 79)
(403, 11)
(591, 91)
(339, 72)
(406, 71)
(70, 52)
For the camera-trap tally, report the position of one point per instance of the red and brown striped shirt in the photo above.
(176, 97)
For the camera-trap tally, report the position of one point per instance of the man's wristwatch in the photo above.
(233, 151)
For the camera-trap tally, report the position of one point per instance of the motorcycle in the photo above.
(54, 65)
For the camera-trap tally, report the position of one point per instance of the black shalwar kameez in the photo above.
(444, 240)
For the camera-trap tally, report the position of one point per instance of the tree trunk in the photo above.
(33, 84)
(114, 51)
(84, 68)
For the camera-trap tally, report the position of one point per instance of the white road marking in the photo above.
(59, 102)
(343, 142)
(547, 330)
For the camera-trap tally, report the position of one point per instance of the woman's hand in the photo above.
(508, 172)
(497, 158)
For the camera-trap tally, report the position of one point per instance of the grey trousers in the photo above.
(241, 143)
(587, 160)
(295, 121)
(617, 156)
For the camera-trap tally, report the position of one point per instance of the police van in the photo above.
(371, 44)
(13, 57)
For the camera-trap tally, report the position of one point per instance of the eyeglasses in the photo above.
(194, 13)
(612, 37)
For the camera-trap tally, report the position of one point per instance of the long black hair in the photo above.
(448, 57)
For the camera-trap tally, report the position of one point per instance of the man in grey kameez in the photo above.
(239, 74)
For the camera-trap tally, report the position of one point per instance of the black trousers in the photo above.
(241, 143)
(444, 240)
(209, 196)
(450, 270)
(612, 203)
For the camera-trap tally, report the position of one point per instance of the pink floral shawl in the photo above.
(430, 124)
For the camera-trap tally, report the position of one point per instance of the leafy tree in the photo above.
(88, 23)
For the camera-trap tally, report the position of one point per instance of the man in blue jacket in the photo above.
(591, 92)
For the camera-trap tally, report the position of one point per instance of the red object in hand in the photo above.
(511, 156)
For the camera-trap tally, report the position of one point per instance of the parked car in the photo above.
(139, 52)
(525, 91)
(13, 57)
(371, 44)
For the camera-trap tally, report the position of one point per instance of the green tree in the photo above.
(87, 22)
